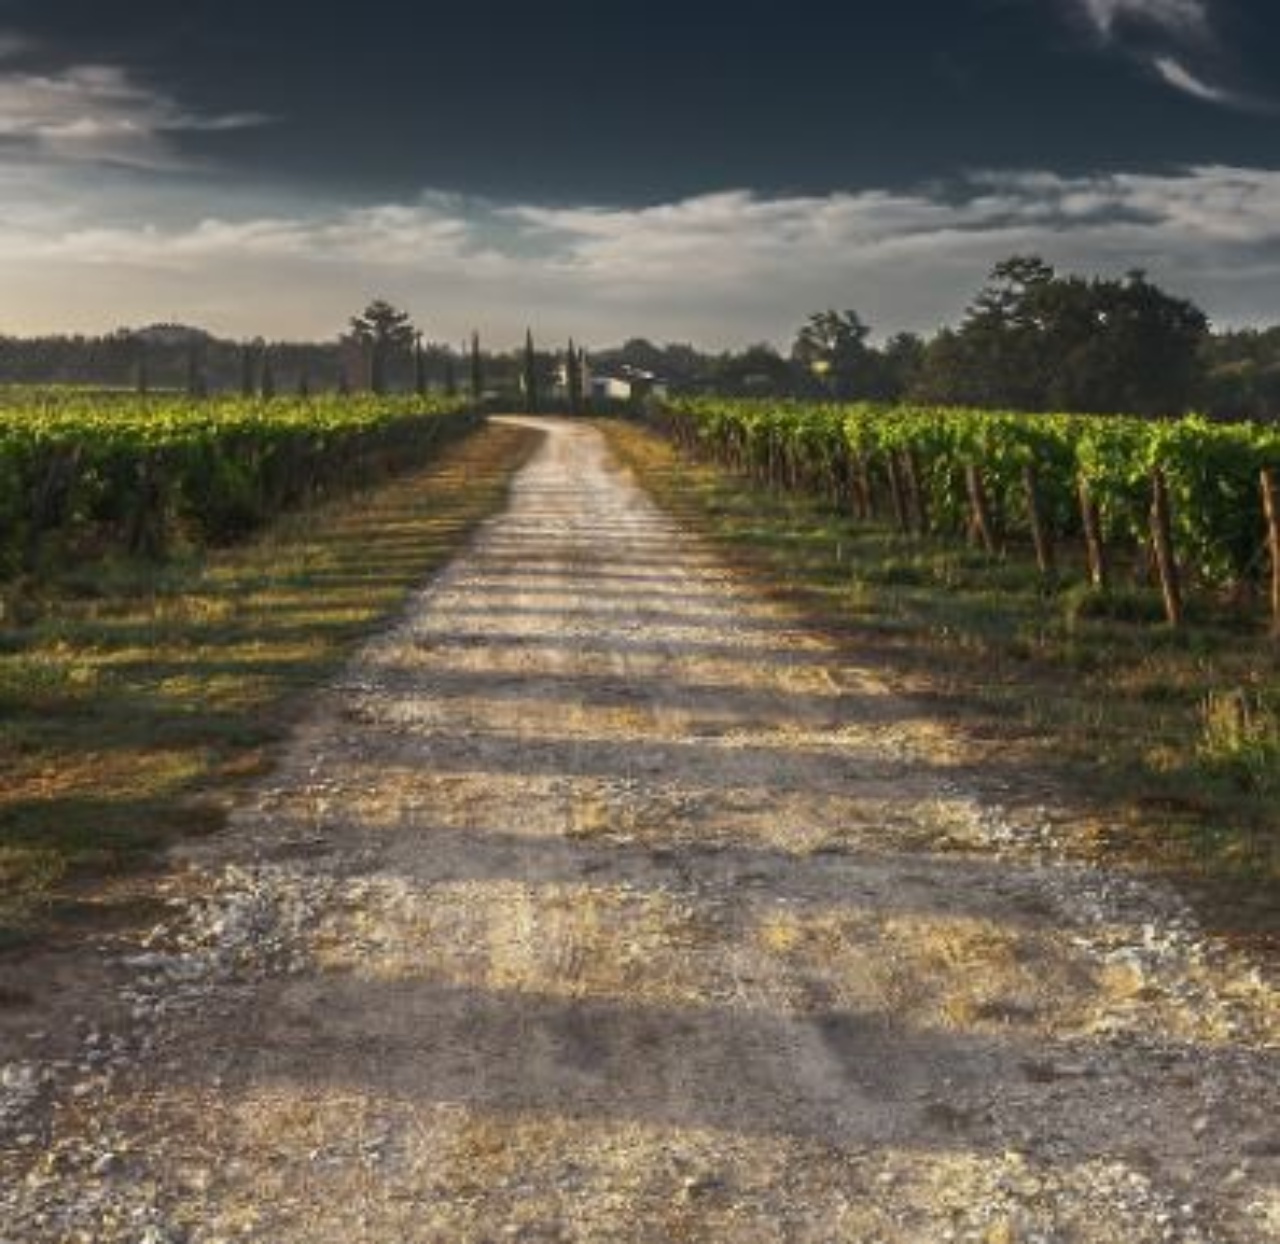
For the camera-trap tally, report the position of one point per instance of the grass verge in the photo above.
(1169, 742)
(134, 698)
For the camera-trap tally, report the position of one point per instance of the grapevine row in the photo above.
(134, 473)
(1190, 501)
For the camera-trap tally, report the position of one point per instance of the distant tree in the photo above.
(901, 360)
(759, 371)
(419, 367)
(1034, 340)
(573, 378)
(304, 384)
(384, 331)
(477, 370)
(142, 372)
(1242, 374)
(831, 349)
(529, 374)
(268, 383)
(197, 386)
(247, 358)
(450, 375)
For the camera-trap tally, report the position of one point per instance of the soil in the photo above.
(602, 899)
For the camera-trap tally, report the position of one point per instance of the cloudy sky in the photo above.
(707, 170)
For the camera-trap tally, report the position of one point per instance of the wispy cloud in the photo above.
(720, 268)
(96, 114)
(1168, 38)
(1185, 18)
(1182, 79)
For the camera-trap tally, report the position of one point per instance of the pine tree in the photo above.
(530, 374)
(384, 330)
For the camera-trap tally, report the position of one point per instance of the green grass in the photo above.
(135, 698)
(1167, 741)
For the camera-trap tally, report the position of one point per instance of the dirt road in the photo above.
(600, 901)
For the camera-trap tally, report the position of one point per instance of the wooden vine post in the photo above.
(898, 493)
(859, 501)
(1162, 542)
(1271, 507)
(915, 490)
(866, 485)
(980, 510)
(1040, 532)
(1095, 547)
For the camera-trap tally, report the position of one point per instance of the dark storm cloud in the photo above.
(573, 100)
(712, 171)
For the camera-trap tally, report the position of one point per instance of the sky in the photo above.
(695, 171)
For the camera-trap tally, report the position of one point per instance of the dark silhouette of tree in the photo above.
(1034, 340)
(477, 370)
(384, 331)
(529, 374)
(759, 371)
(832, 351)
(268, 388)
(247, 358)
(419, 367)
(901, 360)
(196, 383)
(1242, 374)
(574, 378)
(142, 372)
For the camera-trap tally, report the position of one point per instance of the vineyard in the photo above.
(94, 472)
(1188, 504)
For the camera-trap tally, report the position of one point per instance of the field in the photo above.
(140, 685)
(1178, 503)
(83, 475)
(414, 828)
(1173, 734)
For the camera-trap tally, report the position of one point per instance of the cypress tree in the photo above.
(573, 378)
(419, 368)
(477, 370)
(530, 374)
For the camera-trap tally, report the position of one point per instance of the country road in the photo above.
(599, 900)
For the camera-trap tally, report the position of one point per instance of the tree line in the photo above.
(1032, 339)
